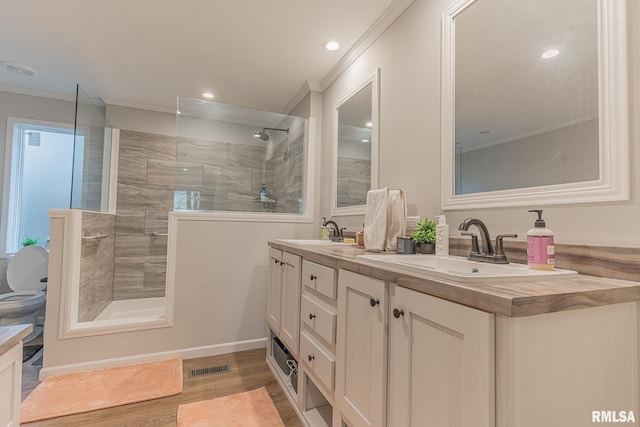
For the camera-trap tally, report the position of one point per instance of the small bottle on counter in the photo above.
(442, 236)
(540, 245)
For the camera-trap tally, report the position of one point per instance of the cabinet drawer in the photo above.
(318, 318)
(320, 278)
(321, 363)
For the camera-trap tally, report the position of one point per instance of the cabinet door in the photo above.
(361, 349)
(10, 383)
(441, 362)
(290, 320)
(274, 293)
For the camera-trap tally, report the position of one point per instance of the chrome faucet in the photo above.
(336, 234)
(487, 253)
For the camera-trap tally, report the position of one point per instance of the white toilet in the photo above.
(24, 274)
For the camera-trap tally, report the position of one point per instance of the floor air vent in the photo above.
(208, 371)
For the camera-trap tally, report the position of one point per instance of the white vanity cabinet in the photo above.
(283, 299)
(318, 317)
(441, 362)
(361, 350)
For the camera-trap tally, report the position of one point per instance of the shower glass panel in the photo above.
(231, 158)
(92, 156)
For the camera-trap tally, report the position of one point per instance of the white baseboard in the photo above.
(185, 353)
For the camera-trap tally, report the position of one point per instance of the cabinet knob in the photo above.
(275, 261)
(281, 262)
(312, 316)
(313, 277)
(374, 302)
(397, 312)
(310, 357)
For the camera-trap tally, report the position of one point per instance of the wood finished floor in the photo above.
(248, 371)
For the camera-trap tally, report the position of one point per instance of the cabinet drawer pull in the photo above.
(312, 316)
(397, 312)
(374, 302)
(281, 262)
(310, 357)
(313, 277)
(275, 261)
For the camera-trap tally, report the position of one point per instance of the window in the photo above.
(38, 176)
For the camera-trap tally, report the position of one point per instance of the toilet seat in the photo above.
(27, 267)
(15, 302)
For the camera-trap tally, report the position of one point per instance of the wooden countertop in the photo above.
(11, 335)
(515, 299)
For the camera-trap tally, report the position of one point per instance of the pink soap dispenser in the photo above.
(540, 247)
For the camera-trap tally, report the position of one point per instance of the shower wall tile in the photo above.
(260, 176)
(241, 201)
(96, 265)
(238, 178)
(132, 168)
(156, 221)
(201, 151)
(149, 145)
(130, 221)
(144, 197)
(247, 156)
(170, 174)
(146, 182)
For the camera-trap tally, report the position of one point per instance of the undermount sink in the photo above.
(464, 271)
(308, 242)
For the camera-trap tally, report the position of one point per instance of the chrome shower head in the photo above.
(263, 135)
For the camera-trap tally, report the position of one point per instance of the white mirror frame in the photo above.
(613, 183)
(373, 78)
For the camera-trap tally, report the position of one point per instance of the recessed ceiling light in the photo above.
(18, 67)
(368, 124)
(332, 45)
(550, 53)
(207, 95)
(365, 140)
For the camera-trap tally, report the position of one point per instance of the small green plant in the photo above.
(28, 241)
(425, 232)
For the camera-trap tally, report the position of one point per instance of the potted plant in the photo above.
(425, 236)
(28, 241)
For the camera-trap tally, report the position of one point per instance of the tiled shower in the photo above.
(159, 173)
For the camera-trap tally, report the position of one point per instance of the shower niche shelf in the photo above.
(269, 204)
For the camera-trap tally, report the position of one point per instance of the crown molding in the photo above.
(138, 105)
(39, 93)
(392, 13)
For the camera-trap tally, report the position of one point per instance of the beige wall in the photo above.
(408, 54)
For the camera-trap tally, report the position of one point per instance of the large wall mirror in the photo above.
(534, 103)
(355, 147)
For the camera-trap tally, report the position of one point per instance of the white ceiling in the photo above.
(145, 53)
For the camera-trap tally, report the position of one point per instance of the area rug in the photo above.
(87, 391)
(250, 409)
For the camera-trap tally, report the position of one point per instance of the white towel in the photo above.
(396, 218)
(375, 219)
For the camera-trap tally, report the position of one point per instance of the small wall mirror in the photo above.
(355, 147)
(534, 103)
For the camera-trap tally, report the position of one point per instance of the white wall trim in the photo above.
(613, 87)
(185, 353)
(113, 171)
(392, 13)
